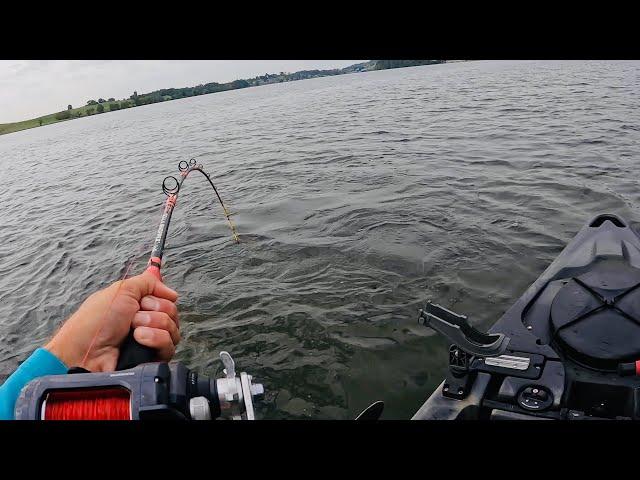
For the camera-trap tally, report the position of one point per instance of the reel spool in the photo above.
(87, 404)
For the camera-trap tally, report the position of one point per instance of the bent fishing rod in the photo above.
(172, 191)
(131, 352)
(141, 388)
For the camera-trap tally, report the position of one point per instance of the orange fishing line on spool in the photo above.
(88, 404)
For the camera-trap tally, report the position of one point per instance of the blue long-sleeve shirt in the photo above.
(40, 363)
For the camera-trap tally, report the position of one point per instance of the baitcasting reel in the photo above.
(147, 392)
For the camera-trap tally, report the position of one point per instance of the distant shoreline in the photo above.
(101, 106)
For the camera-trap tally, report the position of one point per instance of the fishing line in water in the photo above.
(186, 168)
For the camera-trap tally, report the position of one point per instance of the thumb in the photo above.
(147, 284)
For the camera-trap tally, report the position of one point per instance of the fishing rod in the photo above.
(141, 388)
(131, 352)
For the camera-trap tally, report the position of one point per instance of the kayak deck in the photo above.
(574, 338)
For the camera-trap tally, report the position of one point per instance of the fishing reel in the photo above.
(150, 391)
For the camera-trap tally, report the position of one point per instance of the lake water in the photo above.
(357, 198)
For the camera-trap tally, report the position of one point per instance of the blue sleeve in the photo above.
(40, 363)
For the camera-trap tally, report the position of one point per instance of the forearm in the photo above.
(40, 363)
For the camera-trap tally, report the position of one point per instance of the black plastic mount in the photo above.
(459, 379)
(457, 329)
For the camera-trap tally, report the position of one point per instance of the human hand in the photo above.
(92, 336)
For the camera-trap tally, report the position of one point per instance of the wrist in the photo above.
(63, 352)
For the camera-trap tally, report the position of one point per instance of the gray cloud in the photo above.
(31, 88)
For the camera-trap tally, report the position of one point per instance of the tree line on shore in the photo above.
(101, 105)
(166, 94)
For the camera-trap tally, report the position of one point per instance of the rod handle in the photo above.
(133, 354)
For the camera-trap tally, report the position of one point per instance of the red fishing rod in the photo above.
(131, 352)
(142, 388)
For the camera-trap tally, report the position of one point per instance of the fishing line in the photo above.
(88, 404)
(104, 317)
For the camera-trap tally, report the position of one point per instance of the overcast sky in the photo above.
(31, 88)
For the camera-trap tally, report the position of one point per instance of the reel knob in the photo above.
(199, 408)
(236, 394)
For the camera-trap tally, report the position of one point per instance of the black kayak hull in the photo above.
(574, 338)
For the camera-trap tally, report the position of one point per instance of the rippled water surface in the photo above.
(357, 198)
